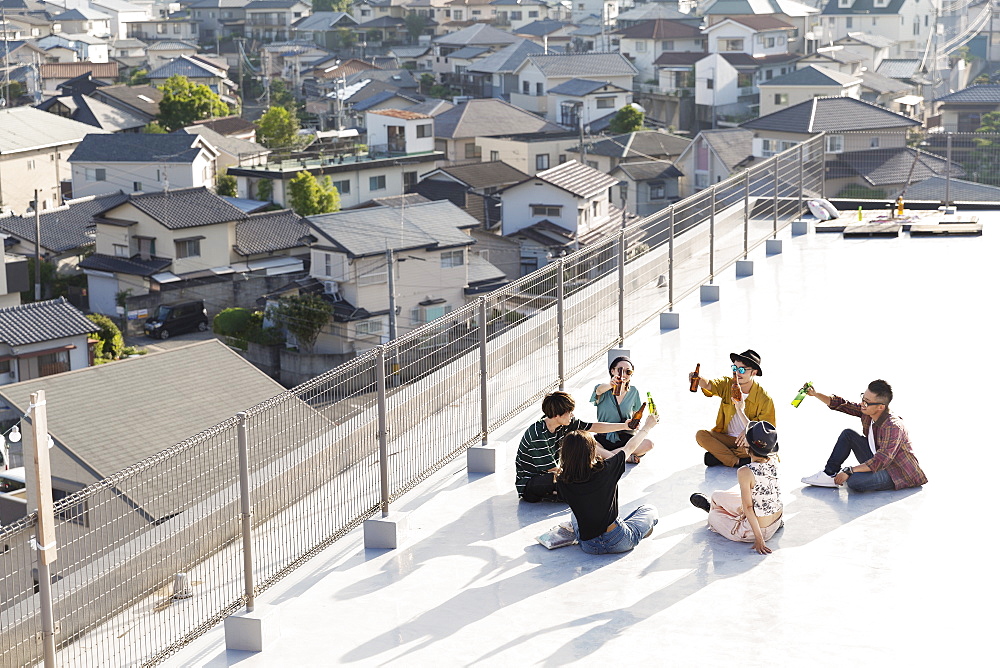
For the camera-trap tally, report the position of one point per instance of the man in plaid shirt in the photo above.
(887, 460)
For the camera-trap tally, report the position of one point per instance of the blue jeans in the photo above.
(850, 442)
(623, 537)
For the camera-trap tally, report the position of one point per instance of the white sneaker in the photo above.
(820, 479)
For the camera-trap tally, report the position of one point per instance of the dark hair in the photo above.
(881, 389)
(557, 403)
(578, 457)
(620, 358)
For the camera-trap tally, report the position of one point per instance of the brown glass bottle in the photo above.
(696, 377)
(637, 417)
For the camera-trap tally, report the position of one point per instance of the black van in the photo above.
(172, 319)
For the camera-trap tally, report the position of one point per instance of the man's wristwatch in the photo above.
(848, 470)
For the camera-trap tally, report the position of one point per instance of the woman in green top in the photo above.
(618, 409)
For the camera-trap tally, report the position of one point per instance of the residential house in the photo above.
(197, 70)
(364, 11)
(140, 101)
(53, 74)
(86, 47)
(109, 163)
(563, 207)
(471, 187)
(231, 126)
(649, 185)
(481, 35)
(843, 59)
(84, 21)
(164, 51)
(175, 27)
(323, 28)
(233, 151)
(530, 152)
(553, 35)
(30, 26)
(159, 242)
(885, 172)
(963, 110)
(121, 13)
(595, 103)
(430, 243)
(652, 11)
(13, 278)
(906, 23)
(66, 231)
(219, 18)
(493, 75)
(607, 10)
(803, 17)
(874, 47)
(804, 84)
(34, 155)
(606, 153)
(891, 94)
(644, 42)
(272, 20)
(41, 339)
(398, 142)
(713, 156)
(514, 14)
(129, 52)
(93, 112)
(458, 130)
(540, 73)
(464, 13)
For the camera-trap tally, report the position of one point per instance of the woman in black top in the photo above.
(588, 482)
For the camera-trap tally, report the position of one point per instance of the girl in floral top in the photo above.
(754, 514)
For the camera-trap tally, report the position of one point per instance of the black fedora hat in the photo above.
(762, 438)
(749, 358)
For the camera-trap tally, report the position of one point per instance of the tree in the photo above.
(415, 25)
(277, 128)
(153, 128)
(331, 5)
(303, 316)
(225, 184)
(185, 102)
(628, 119)
(112, 344)
(309, 197)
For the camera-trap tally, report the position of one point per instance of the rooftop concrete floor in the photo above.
(886, 578)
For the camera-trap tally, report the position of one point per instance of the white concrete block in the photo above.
(484, 458)
(251, 631)
(710, 293)
(670, 321)
(618, 352)
(385, 532)
(773, 246)
(744, 268)
(800, 227)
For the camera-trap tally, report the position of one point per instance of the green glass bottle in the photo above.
(801, 395)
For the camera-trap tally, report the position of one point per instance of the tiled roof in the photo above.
(757, 7)
(320, 21)
(123, 265)
(640, 144)
(229, 126)
(172, 45)
(649, 170)
(145, 99)
(366, 232)
(468, 52)
(899, 68)
(488, 118)
(65, 228)
(732, 146)
(400, 114)
(187, 400)
(936, 188)
(651, 11)
(26, 128)
(541, 27)
(177, 148)
(479, 33)
(661, 29)
(579, 87)
(63, 71)
(830, 114)
(865, 7)
(240, 148)
(485, 174)
(42, 321)
(183, 208)
(271, 231)
(576, 178)
(82, 14)
(188, 67)
(507, 59)
(93, 112)
(813, 75)
(583, 65)
(976, 94)
(888, 166)
(762, 23)
(870, 39)
(883, 84)
(678, 58)
(382, 96)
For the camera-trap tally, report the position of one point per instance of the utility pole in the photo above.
(38, 249)
(239, 57)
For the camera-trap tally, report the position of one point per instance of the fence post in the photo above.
(483, 404)
(383, 440)
(947, 176)
(798, 213)
(38, 476)
(822, 167)
(242, 441)
(746, 214)
(670, 261)
(561, 323)
(621, 283)
(711, 237)
(777, 159)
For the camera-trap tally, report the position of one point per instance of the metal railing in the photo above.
(321, 458)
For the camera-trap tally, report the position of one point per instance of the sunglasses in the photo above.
(740, 369)
(621, 370)
(865, 402)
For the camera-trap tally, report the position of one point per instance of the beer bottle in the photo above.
(737, 392)
(801, 395)
(695, 378)
(652, 405)
(636, 417)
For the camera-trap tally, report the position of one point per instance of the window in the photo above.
(98, 174)
(541, 210)
(528, 265)
(31, 164)
(532, 15)
(640, 46)
(605, 103)
(835, 143)
(494, 156)
(370, 271)
(368, 327)
(731, 44)
(161, 28)
(177, 29)
(56, 362)
(121, 250)
(849, 22)
(188, 248)
(539, 89)
(766, 148)
(873, 143)
(667, 45)
(473, 152)
(744, 80)
(376, 182)
(425, 130)
(343, 187)
(562, 158)
(328, 264)
(781, 98)
(709, 84)
(515, 16)
(451, 259)
(657, 190)
(542, 161)
(137, 186)
(526, 88)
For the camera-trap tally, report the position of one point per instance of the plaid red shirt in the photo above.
(892, 445)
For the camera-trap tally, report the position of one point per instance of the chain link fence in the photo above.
(314, 465)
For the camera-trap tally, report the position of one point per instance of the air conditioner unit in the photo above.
(331, 288)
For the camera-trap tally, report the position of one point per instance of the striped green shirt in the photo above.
(539, 450)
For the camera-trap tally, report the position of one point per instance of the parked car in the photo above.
(173, 319)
